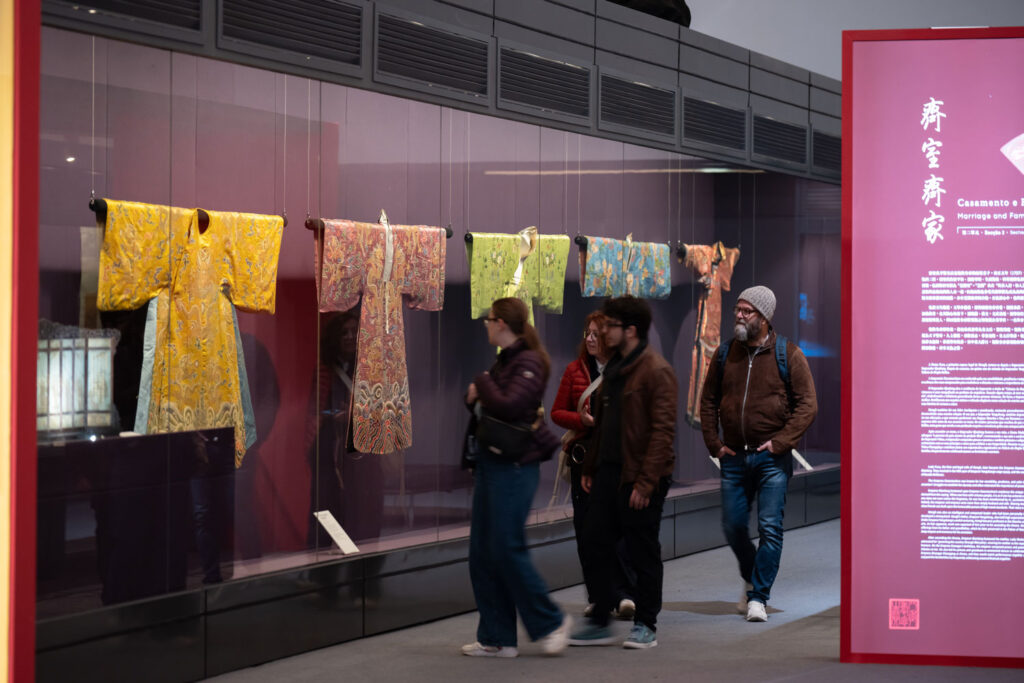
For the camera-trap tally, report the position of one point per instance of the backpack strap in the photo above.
(782, 361)
(723, 353)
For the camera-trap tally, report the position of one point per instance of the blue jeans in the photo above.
(744, 476)
(504, 579)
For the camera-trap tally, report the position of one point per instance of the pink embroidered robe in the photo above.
(381, 264)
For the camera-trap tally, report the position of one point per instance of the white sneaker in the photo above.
(756, 611)
(478, 650)
(555, 642)
(589, 609)
(625, 611)
(741, 604)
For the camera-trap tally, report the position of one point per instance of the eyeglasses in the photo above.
(490, 319)
(744, 312)
(587, 334)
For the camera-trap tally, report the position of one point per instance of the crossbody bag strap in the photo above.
(587, 392)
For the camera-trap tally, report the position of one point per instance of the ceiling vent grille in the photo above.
(638, 106)
(548, 84)
(714, 124)
(778, 140)
(436, 58)
(828, 152)
(184, 14)
(326, 29)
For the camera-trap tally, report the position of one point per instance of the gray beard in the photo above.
(747, 331)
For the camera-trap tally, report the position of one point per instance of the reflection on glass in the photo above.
(74, 378)
(344, 482)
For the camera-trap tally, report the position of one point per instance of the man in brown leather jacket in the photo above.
(762, 421)
(628, 470)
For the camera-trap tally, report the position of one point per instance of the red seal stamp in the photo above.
(904, 614)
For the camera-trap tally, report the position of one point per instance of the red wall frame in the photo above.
(23, 352)
(846, 654)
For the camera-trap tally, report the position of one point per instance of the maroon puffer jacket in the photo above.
(512, 391)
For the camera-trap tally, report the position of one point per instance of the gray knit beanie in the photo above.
(761, 298)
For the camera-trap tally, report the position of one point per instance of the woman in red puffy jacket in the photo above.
(568, 412)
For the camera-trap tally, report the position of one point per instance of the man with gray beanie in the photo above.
(759, 388)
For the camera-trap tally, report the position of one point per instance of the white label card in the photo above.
(337, 534)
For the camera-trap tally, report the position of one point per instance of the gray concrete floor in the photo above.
(700, 636)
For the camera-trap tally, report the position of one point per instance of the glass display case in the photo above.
(124, 516)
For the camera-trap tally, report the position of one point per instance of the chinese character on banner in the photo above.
(933, 226)
(932, 114)
(933, 190)
(932, 152)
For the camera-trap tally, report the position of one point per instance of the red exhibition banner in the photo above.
(933, 286)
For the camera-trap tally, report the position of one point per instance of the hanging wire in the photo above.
(565, 182)
(284, 155)
(693, 232)
(753, 221)
(195, 135)
(469, 166)
(408, 171)
(309, 116)
(92, 136)
(622, 175)
(319, 147)
(106, 122)
(739, 209)
(540, 169)
(679, 199)
(170, 152)
(451, 161)
(668, 205)
(693, 208)
(170, 128)
(579, 183)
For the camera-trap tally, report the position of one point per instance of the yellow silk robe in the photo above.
(193, 369)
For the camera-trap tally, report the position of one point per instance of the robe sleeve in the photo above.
(343, 271)
(553, 256)
(422, 266)
(650, 274)
(602, 268)
(136, 259)
(493, 259)
(726, 266)
(698, 259)
(252, 245)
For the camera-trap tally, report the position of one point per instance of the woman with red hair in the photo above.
(571, 410)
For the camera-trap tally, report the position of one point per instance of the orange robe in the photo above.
(713, 264)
